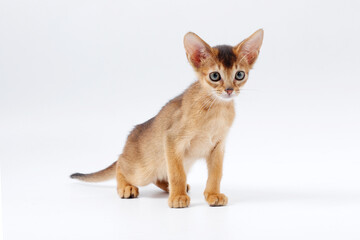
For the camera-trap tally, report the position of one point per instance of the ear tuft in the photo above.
(197, 50)
(249, 48)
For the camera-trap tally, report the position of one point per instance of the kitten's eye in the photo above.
(215, 76)
(240, 75)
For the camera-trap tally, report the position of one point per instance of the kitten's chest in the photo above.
(211, 129)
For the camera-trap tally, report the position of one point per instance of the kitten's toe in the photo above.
(179, 201)
(216, 199)
(128, 191)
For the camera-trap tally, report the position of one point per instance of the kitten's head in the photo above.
(223, 70)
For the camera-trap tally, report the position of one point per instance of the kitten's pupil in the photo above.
(215, 76)
(240, 75)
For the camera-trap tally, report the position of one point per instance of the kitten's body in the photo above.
(191, 126)
(188, 118)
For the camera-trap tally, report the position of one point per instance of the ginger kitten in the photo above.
(191, 126)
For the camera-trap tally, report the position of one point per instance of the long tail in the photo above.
(102, 175)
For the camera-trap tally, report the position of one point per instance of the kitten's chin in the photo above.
(226, 97)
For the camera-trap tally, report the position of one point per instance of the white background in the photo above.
(76, 76)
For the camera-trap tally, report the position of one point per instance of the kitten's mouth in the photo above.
(227, 97)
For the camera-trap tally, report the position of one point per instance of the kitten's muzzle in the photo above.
(229, 91)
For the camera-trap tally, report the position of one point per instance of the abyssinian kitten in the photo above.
(191, 126)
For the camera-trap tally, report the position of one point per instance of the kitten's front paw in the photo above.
(179, 201)
(128, 191)
(216, 199)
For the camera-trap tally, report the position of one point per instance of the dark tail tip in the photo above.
(76, 175)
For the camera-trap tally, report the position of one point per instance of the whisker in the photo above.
(243, 89)
(211, 105)
(201, 99)
(204, 105)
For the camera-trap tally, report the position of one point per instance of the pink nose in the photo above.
(229, 91)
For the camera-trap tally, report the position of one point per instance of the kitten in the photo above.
(191, 126)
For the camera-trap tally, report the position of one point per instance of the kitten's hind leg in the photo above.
(125, 189)
(164, 185)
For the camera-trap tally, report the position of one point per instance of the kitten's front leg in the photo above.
(215, 163)
(177, 177)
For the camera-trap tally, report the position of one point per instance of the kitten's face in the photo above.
(223, 70)
(224, 74)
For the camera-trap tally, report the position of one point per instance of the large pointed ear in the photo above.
(249, 49)
(197, 50)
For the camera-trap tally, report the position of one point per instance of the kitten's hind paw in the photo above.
(179, 201)
(216, 199)
(164, 185)
(128, 191)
